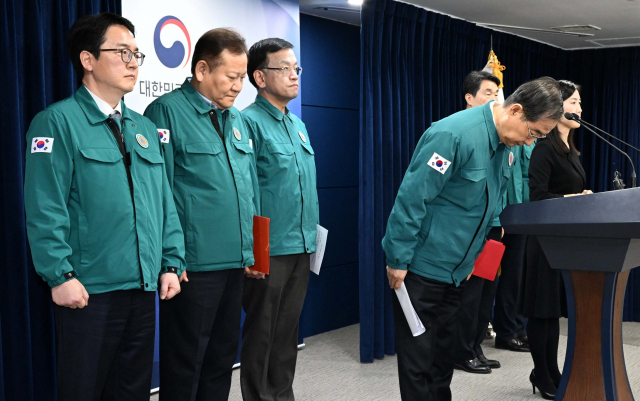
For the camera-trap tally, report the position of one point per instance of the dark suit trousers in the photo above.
(199, 336)
(425, 362)
(105, 350)
(507, 323)
(475, 312)
(270, 332)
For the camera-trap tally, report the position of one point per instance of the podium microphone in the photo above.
(581, 121)
(570, 116)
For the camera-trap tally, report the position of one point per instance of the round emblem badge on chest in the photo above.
(237, 134)
(142, 141)
(510, 159)
(304, 138)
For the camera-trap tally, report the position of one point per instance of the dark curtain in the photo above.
(36, 72)
(413, 64)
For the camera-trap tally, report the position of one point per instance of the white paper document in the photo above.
(321, 244)
(415, 324)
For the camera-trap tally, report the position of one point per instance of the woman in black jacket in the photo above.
(554, 172)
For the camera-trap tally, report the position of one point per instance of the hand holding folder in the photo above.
(487, 264)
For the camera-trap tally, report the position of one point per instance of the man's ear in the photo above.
(515, 109)
(201, 70)
(87, 60)
(259, 77)
(468, 98)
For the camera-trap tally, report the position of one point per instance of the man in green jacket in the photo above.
(287, 178)
(442, 213)
(101, 219)
(474, 313)
(209, 162)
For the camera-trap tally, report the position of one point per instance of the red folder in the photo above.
(261, 244)
(487, 264)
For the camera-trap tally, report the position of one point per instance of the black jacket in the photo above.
(553, 175)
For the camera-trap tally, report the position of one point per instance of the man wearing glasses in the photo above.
(209, 162)
(474, 313)
(287, 178)
(442, 213)
(101, 219)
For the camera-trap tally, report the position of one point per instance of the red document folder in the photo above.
(488, 262)
(261, 244)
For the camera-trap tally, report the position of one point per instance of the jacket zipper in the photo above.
(304, 240)
(212, 115)
(126, 160)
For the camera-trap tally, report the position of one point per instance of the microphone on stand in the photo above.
(577, 118)
(570, 116)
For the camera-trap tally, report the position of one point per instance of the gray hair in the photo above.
(540, 99)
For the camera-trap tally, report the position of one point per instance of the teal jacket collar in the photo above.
(271, 109)
(91, 109)
(194, 97)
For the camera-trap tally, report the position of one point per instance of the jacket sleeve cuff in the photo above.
(249, 262)
(395, 265)
(63, 278)
(169, 269)
(173, 266)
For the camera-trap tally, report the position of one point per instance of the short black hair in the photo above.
(88, 33)
(567, 88)
(540, 99)
(211, 45)
(259, 54)
(473, 82)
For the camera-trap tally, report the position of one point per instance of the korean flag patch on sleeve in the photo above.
(164, 135)
(41, 145)
(439, 163)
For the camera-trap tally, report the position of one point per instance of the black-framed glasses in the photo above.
(285, 70)
(531, 134)
(127, 55)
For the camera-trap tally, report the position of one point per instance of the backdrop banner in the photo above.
(167, 32)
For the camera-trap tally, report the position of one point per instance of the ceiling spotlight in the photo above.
(355, 2)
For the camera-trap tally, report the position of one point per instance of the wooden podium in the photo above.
(595, 241)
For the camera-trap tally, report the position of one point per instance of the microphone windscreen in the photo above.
(569, 116)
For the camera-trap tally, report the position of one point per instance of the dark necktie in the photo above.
(216, 123)
(114, 125)
(113, 122)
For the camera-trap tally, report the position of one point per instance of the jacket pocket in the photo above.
(189, 232)
(102, 155)
(149, 172)
(441, 246)
(506, 173)
(243, 157)
(307, 146)
(85, 245)
(243, 147)
(205, 148)
(150, 156)
(473, 174)
(280, 148)
(472, 187)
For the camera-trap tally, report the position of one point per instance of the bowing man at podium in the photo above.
(442, 213)
(474, 313)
